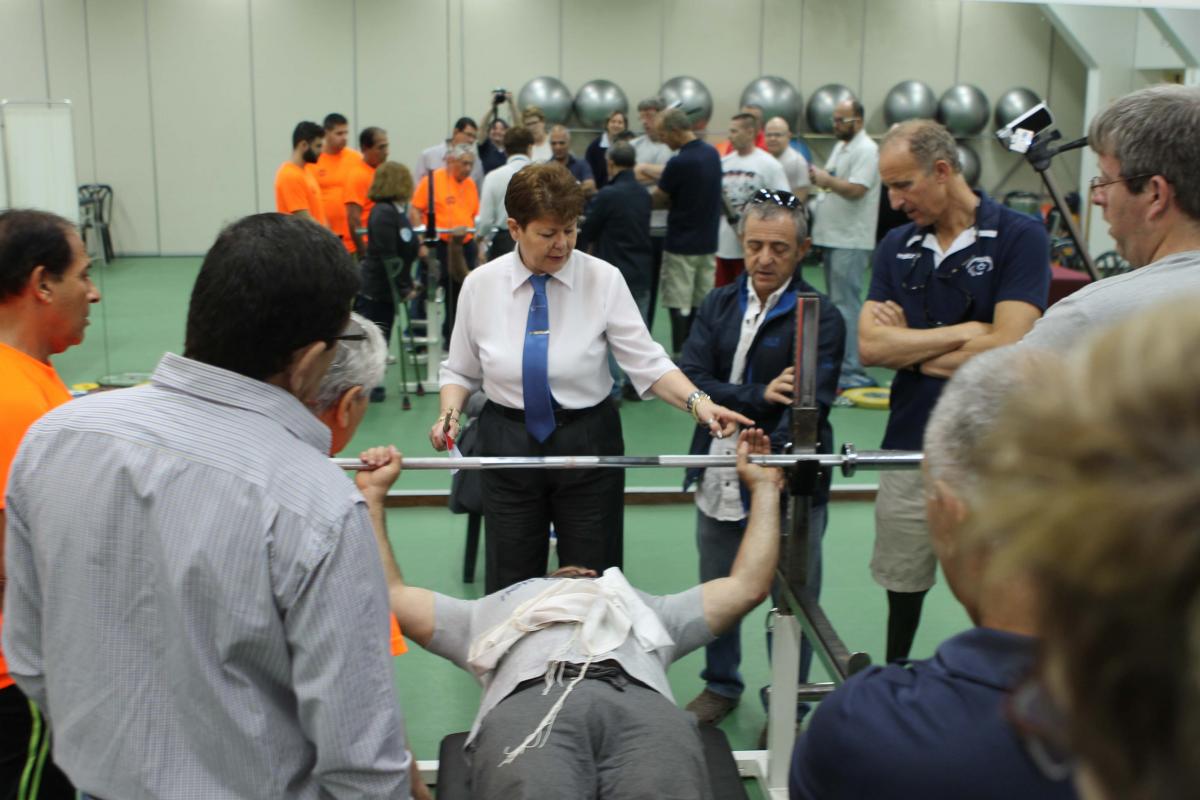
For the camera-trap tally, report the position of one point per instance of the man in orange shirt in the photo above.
(374, 144)
(45, 292)
(332, 172)
(455, 204)
(296, 191)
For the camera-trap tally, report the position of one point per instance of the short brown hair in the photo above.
(518, 140)
(392, 181)
(542, 191)
(928, 141)
(533, 112)
(1096, 479)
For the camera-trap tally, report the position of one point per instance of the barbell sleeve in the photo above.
(848, 462)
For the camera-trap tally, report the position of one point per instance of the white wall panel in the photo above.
(303, 67)
(200, 80)
(631, 61)
(831, 45)
(503, 44)
(22, 56)
(907, 40)
(717, 43)
(66, 48)
(124, 141)
(401, 74)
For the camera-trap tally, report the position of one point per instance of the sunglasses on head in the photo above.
(776, 197)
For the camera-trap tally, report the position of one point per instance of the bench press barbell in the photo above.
(849, 461)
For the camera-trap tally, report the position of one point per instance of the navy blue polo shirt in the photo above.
(579, 169)
(933, 729)
(1009, 260)
(692, 177)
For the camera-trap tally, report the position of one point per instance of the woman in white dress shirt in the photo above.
(533, 331)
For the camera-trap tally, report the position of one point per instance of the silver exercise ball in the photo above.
(775, 96)
(909, 100)
(692, 96)
(964, 110)
(597, 100)
(822, 102)
(548, 94)
(970, 164)
(1013, 104)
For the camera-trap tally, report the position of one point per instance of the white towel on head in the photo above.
(605, 610)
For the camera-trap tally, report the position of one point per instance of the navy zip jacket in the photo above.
(707, 359)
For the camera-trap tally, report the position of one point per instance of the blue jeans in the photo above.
(718, 543)
(642, 298)
(844, 271)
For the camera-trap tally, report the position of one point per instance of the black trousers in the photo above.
(585, 506)
(471, 256)
(502, 244)
(17, 742)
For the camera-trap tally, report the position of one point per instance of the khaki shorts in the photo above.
(686, 280)
(903, 560)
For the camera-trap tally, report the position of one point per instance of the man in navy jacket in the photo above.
(741, 351)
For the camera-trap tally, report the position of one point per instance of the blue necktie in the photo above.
(535, 381)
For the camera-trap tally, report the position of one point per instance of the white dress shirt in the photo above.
(493, 216)
(591, 310)
(719, 494)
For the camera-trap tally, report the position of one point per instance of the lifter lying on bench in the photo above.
(576, 701)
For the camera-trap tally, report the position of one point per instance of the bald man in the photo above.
(560, 149)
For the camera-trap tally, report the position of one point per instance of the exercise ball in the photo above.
(909, 100)
(963, 109)
(598, 99)
(691, 96)
(970, 164)
(1013, 104)
(822, 102)
(548, 94)
(775, 96)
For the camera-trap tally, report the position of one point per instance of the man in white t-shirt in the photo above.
(795, 166)
(844, 221)
(654, 152)
(744, 171)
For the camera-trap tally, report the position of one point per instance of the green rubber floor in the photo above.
(143, 313)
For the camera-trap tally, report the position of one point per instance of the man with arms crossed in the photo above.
(45, 292)
(965, 275)
(221, 595)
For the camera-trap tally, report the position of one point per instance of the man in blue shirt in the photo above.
(560, 146)
(690, 183)
(964, 276)
(937, 728)
(742, 350)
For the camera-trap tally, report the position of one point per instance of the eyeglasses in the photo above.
(844, 120)
(1042, 726)
(1096, 183)
(776, 197)
(966, 299)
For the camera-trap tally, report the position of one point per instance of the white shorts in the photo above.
(903, 560)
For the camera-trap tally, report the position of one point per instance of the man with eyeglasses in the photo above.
(1149, 188)
(844, 219)
(965, 275)
(215, 621)
(938, 727)
(742, 349)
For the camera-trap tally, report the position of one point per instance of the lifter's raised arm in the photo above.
(412, 607)
(727, 600)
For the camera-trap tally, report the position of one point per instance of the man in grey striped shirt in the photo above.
(195, 598)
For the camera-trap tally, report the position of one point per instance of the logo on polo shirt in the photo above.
(907, 256)
(979, 265)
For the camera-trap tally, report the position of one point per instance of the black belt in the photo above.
(611, 672)
(562, 416)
